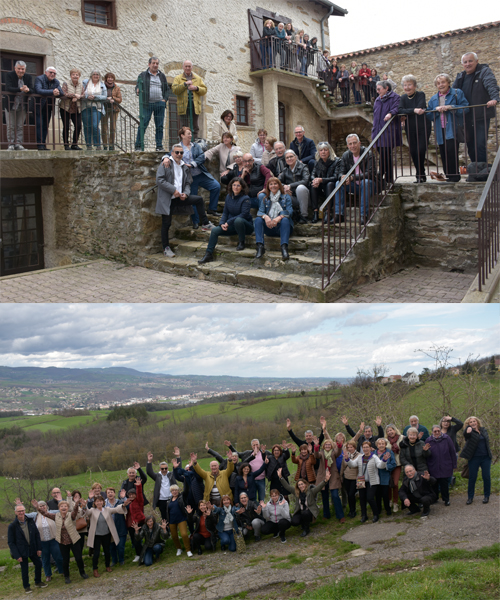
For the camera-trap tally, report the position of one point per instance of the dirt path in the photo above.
(260, 569)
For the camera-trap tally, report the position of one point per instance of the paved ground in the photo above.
(414, 285)
(107, 282)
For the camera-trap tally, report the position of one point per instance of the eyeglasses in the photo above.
(178, 152)
(325, 144)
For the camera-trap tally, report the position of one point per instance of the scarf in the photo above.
(394, 443)
(302, 500)
(328, 458)
(228, 517)
(413, 483)
(276, 207)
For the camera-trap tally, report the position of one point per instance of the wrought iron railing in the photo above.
(272, 52)
(488, 220)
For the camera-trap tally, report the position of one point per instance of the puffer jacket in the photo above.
(276, 512)
(300, 176)
(471, 442)
(385, 474)
(370, 472)
(421, 455)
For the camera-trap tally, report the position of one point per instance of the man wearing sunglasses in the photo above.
(163, 480)
(174, 181)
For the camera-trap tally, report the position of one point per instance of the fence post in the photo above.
(140, 85)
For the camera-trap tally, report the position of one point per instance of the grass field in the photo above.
(52, 422)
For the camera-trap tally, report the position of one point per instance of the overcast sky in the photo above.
(370, 23)
(292, 340)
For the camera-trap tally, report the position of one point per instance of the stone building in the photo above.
(120, 36)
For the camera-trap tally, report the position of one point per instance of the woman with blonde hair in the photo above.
(70, 108)
(266, 44)
(274, 217)
(327, 457)
(478, 452)
(94, 95)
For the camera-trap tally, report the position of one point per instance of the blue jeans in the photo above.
(362, 189)
(260, 484)
(240, 227)
(336, 501)
(227, 539)
(356, 94)
(48, 548)
(254, 202)
(158, 110)
(207, 182)
(282, 230)
(118, 551)
(91, 118)
(266, 53)
(157, 549)
(474, 463)
(477, 137)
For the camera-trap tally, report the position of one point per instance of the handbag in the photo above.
(81, 523)
(360, 480)
(240, 542)
(465, 471)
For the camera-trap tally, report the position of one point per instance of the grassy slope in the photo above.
(48, 422)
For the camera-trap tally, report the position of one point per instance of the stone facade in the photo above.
(218, 47)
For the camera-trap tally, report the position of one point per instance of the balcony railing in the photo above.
(99, 126)
(275, 53)
(466, 147)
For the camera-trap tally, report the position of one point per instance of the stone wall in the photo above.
(440, 225)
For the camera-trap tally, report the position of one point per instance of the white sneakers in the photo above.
(179, 552)
(190, 554)
(137, 558)
(209, 226)
(395, 507)
(168, 252)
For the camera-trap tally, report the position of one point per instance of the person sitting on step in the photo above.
(235, 220)
(274, 217)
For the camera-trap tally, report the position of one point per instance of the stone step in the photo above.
(299, 285)
(298, 262)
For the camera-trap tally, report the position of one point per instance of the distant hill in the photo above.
(40, 376)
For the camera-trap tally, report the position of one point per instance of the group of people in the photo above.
(227, 503)
(93, 103)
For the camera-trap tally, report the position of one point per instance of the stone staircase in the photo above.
(300, 276)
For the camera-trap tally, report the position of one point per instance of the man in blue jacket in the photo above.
(479, 85)
(304, 148)
(25, 544)
(49, 88)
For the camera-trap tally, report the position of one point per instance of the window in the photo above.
(241, 110)
(101, 13)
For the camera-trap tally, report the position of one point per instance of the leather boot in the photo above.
(315, 217)
(284, 251)
(209, 257)
(240, 246)
(96, 573)
(260, 250)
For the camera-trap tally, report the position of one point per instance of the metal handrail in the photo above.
(487, 186)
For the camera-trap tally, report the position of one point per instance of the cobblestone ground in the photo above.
(414, 285)
(105, 281)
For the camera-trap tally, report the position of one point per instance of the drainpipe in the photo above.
(323, 28)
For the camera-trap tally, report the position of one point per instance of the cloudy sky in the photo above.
(370, 23)
(261, 340)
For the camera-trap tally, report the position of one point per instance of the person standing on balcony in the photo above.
(112, 109)
(189, 88)
(267, 50)
(48, 86)
(15, 103)
(153, 91)
(304, 148)
(412, 104)
(355, 83)
(364, 73)
(343, 81)
(70, 108)
(479, 85)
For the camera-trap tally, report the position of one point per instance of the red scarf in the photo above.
(394, 443)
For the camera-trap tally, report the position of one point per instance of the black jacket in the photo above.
(424, 487)
(234, 208)
(295, 178)
(277, 463)
(130, 485)
(366, 167)
(330, 171)
(193, 520)
(307, 150)
(372, 440)
(484, 89)
(232, 173)
(471, 442)
(453, 430)
(12, 89)
(300, 442)
(156, 477)
(246, 518)
(44, 87)
(18, 545)
(277, 165)
(181, 506)
(145, 77)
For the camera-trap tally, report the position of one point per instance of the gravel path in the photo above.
(211, 577)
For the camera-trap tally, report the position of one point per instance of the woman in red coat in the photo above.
(363, 74)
